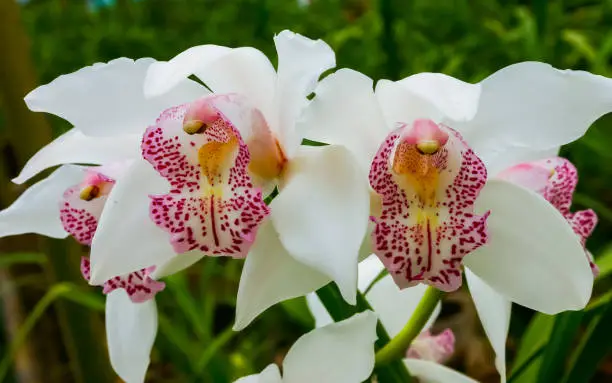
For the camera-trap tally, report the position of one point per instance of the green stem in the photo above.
(523, 367)
(396, 349)
(339, 310)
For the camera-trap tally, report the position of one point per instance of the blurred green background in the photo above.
(52, 323)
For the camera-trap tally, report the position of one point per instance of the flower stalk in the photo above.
(339, 310)
(396, 348)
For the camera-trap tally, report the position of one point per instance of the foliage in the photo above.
(382, 38)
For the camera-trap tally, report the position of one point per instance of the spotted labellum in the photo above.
(428, 179)
(80, 211)
(212, 205)
(555, 179)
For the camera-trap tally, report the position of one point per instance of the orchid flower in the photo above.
(131, 312)
(106, 105)
(341, 352)
(218, 156)
(555, 179)
(394, 308)
(131, 315)
(433, 145)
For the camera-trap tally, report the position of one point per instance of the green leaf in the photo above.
(580, 42)
(339, 310)
(177, 285)
(604, 262)
(86, 299)
(535, 338)
(558, 346)
(213, 348)
(598, 302)
(9, 259)
(66, 290)
(298, 311)
(593, 348)
(183, 350)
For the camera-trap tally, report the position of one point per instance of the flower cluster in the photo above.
(438, 178)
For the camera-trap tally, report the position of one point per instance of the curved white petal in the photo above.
(532, 256)
(270, 374)
(395, 306)
(130, 333)
(318, 311)
(300, 63)
(270, 275)
(76, 148)
(366, 249)
(322, 213)
(368, 270)
(163, 76)
(177, 263)
(456, 99)
(339, 352)
(534, 105)
(431, 372)
(346, 112)
(37, 209)
(247, 72)
(126, 239)
(108, 99)
(494, 313)
(400, 105)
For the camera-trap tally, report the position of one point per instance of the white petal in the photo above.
(339, 352)
(77, 148)
(126, 239)
(400, 105)
(532, 256)
(37, 209)
(395, 306)
(534, 105)
(245, 71)
(431, 372)
(248, 72)
(366, 249)
(163, 76)
(270, 374)
(331, 117)
(494, 312)
(318, 310)
(300, 63)
(368, 270)
(456, 99)
(177, 263)
(270, 275)
(130, 333)
(108, 99)
(322, 213)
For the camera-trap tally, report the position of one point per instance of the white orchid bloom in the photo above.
(218, 155)
(70, 201)
(341, 352)
(433, 147)
(394, 308)
(106, 105)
